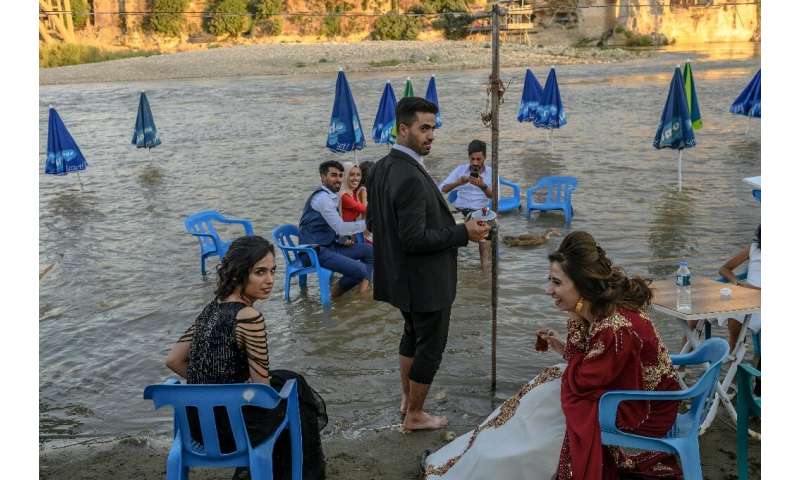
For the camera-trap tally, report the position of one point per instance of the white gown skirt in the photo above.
(521, 439)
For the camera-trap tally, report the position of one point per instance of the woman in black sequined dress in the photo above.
(228, 344)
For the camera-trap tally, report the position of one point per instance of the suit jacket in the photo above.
(415, 238)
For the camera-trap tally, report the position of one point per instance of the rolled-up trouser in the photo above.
(424, 339)
(354, 262)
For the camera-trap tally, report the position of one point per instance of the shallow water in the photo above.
(126, 281)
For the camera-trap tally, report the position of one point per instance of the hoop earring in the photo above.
(579, 305)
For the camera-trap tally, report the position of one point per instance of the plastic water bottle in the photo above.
(683, 282)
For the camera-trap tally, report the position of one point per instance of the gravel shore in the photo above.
(287, 59)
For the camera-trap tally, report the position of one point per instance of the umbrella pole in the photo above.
(747, 130)
(680, 160)
(79, 180)
(495, 87)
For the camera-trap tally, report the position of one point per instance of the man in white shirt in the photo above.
(321, 225)
(472, 181)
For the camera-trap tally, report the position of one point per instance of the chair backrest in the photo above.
(204, 398)
(283, 238)
(452, 196)
(712, 351)
(203, 222)
(559, 188)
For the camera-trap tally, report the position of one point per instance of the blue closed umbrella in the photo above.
(550, 111)
(345, 133)
(749, 101)
(63, 154)
(385, 118)
(531, 94)
(675, 128)
(431, 96)
(145, 134)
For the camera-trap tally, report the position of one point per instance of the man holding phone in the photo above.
(473, 182)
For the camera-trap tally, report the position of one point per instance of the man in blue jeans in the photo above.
(321, 225)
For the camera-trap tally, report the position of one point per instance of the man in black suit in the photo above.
(416, 245)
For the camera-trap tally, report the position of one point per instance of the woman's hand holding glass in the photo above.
(547, 338)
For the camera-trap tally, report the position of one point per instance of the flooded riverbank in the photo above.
(126, 282)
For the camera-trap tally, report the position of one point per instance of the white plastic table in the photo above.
(754, 181)
(707, 305)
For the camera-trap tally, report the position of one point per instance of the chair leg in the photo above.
(202, 265)
(175, 468)
(324, 287)
(296, 439)
(690, 462)
(287, 283)
(742, 419)
(261, 465)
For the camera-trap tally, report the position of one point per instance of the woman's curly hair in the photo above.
(596, 278)
(234, 270)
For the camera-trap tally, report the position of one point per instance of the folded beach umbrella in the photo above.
(433, 97)
(691, 97)
(531, 94)
(345, 133)
(385, 118)
(675, 128)
(63, 154)
(550, 112)
(145, 134)
(749, 101)
(408, 91)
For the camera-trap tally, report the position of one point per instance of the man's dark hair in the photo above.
(407, 108)
(325, 166)
(476, 146)
(365, 166)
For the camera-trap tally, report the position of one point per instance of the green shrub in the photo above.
(265, 19)
(454, 25)
(164, 17)
(395, 27)
(446, 6)
(229, 17)
(331, 25)
(80, 13)
(422, 9)
(62, 54)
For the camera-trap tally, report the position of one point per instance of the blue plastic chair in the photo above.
(747, 405)
(186, 453)
(757, 194)
(558, 196)
(683, 438)
(504, 204)
(294, 264)
(201, 225)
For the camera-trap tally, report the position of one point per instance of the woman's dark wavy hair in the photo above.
(595, 277)
(234, 270)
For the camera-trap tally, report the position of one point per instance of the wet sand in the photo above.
(386, 454)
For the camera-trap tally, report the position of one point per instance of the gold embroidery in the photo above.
(596, 351)
(507, 410)
(577, 331)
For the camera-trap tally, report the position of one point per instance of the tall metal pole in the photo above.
(495, 88)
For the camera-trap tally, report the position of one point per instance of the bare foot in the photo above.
(336, 291)
(423, 421)
(403, 405)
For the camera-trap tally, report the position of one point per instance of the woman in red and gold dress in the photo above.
(550, 428)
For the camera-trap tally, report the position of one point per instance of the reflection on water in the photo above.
(126, 279)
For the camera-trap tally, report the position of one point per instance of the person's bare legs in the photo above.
(734, 328)
(416, 418)
(405, 368)
(485, 249)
